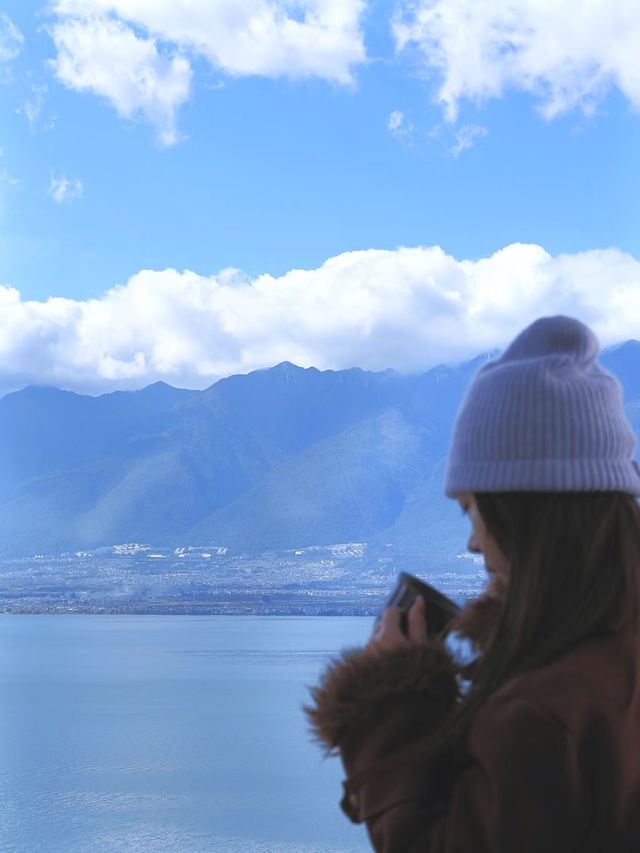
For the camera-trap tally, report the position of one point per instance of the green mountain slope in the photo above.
(280, 458)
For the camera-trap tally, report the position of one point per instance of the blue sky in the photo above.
(283, 162)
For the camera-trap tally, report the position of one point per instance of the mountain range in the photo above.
(284, 457)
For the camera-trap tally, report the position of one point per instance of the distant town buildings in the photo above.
(349, 578)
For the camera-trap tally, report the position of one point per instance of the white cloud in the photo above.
(400, 126)
(65, 189)
(7, 178)
(395, 121)
(568, 55)
(32, 108)
(407, 309)
(465, 137)
(11, 39)
(138, 53)
(106, 57)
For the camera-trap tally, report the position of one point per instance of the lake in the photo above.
(137, 734)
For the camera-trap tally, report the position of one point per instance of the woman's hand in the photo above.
(387, 634)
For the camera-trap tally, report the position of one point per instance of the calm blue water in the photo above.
(124, 734)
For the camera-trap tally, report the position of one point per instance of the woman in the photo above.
(542, 752)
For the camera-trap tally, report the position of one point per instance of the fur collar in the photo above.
(356, 686)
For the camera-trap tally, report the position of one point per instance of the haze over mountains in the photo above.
(279, 458)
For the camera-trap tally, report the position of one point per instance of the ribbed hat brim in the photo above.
(544, 475)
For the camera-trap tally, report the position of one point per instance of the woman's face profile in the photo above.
(481, 541)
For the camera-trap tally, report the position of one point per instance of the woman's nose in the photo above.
(473, 545)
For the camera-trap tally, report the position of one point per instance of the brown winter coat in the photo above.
(552, 759)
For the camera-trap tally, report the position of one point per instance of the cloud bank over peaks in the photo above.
(139, 53)
(407, 309)
(567, 55)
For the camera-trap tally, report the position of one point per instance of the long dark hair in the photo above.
(574, 573)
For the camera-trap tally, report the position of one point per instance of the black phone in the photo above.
(439, 609)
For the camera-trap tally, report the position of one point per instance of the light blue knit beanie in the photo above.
(544, 417)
